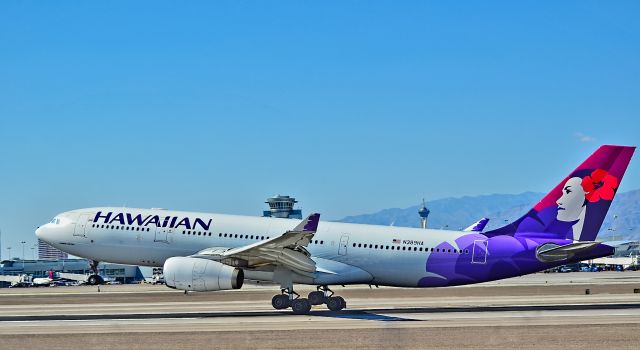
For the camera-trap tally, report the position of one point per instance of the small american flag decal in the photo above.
(396, 241)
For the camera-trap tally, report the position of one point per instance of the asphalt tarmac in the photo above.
(550, 311)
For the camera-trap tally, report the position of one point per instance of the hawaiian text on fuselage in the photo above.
(157, 220)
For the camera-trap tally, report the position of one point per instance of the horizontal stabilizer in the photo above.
(551, 252)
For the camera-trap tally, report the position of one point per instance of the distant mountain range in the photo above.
(622, 221)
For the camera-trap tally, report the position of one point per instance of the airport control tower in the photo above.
(282, 207)
(424, 214)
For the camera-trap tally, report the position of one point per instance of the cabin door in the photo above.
(480, 251)
(81, 225)
(344, 241)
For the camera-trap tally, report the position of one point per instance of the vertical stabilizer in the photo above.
(576, 207)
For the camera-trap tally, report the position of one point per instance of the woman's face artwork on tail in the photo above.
(572, 202)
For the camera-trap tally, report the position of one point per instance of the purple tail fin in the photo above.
(576, 207)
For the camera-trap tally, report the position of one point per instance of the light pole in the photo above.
(9, 250)
(23, 242)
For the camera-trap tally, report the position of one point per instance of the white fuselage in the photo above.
(382, 255)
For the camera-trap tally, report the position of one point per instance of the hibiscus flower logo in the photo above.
(599, 185)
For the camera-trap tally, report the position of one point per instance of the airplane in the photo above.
(60, 278)
(210, 252)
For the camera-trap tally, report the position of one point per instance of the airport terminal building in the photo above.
(41, 268)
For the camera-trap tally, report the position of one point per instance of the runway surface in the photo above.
(550, 311)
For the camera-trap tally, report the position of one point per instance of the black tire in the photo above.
(94, 280)
(316, 298)
(300, 306)
(335, 303)
(280, 301)
(343, 302)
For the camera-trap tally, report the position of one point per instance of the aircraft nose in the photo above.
(40, 233)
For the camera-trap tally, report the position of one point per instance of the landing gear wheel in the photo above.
(316, 298)
(94, 280)
(300, 306)
(280, 301)
(336, 303)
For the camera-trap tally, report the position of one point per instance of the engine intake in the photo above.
(201, 275)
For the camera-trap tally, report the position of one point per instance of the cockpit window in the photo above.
(55, 221)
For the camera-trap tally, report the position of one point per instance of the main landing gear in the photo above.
(302, 306)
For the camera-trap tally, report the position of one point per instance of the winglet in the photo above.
(477, 226)
(310, 224)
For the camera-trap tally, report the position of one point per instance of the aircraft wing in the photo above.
(287, 250)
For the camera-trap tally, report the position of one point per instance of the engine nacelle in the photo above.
(201, 275)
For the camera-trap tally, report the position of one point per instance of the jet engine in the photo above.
(201, 275)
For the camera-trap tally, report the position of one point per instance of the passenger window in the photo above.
(354, 245)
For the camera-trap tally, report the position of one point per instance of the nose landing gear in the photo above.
(94, 279)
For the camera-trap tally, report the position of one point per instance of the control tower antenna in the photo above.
(424, 215)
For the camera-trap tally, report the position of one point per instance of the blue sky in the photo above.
(350, 106)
